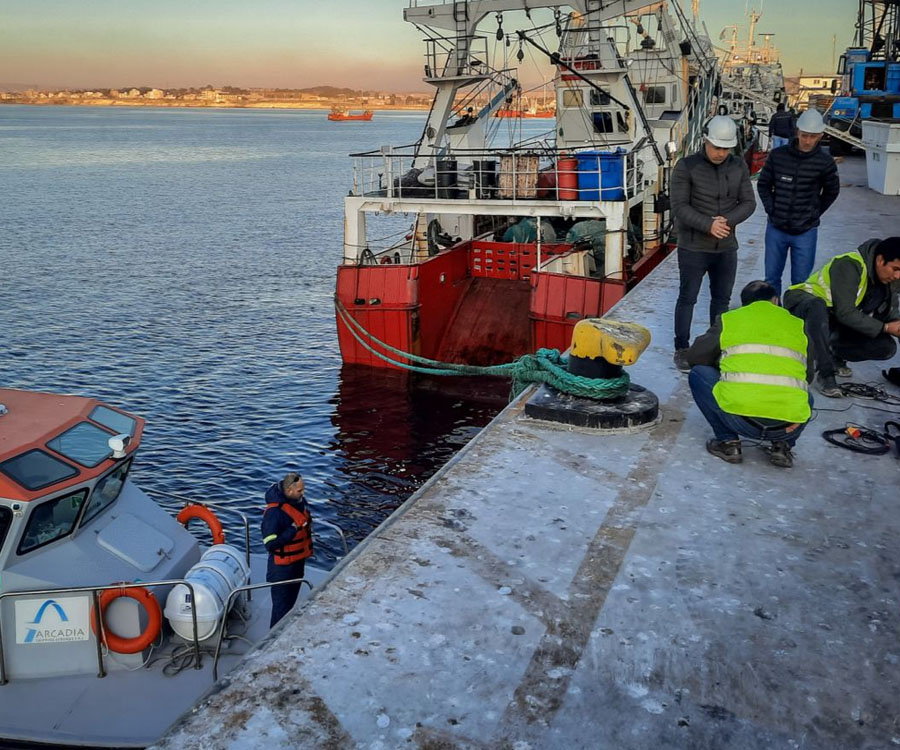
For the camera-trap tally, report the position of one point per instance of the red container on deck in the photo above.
(567, 178)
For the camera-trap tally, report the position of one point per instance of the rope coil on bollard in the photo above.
(545, 366)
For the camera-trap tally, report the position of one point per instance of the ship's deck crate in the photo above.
(518, 175)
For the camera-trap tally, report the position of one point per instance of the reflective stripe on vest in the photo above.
(819, 283)
(300, 547)
(763, 364)
(778, 351)
(753, 377)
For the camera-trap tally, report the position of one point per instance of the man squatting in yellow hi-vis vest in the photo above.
(850, 309)
(750, 375)
(287, 534)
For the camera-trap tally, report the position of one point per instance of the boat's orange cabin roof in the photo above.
(32, 420)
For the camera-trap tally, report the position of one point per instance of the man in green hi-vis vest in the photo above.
(850, 309)
(750, 375)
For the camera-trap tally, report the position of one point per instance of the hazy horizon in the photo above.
(304, 43)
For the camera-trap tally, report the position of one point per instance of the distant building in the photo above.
(813, 90)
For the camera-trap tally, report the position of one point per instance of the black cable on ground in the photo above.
(859, 439)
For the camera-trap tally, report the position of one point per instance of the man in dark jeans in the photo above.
(781, 127)
(796, 186)
(850, 306)
(711, 194)
(749, 377)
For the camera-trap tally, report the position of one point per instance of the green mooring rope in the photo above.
(545, 366)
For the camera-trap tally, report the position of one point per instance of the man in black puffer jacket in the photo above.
(711, 195)
(797, 185)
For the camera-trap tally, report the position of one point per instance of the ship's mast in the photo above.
(755, 15)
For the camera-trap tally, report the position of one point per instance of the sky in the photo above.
(360, 44)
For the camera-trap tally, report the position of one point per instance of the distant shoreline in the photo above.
(180, 104)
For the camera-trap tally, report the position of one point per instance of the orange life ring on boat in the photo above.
(154, 614)
(196, 510)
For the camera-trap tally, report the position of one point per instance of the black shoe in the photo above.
(727, 450)
(841, 370)
(780, 454)
(680, 360)
(828, 387)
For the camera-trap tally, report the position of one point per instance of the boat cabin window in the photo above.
(119, 423)
(655, 95)
(51, 520)
(599, 98)
(85, 443)
(604, 122)
(36, 469)
(6, 517)
(572, 98)
(106, 491)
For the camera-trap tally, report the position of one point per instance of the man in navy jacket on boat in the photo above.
(287, 535)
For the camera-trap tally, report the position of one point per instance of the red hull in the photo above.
(342, 116)
(480, 303)
(543, 114)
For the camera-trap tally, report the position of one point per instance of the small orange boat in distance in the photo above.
(339, 114)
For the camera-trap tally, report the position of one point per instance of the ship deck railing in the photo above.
(532, 171)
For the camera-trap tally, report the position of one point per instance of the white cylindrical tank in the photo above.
(220, 570)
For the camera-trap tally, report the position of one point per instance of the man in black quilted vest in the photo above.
(798, 184)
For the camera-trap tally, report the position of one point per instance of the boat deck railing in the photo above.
(97, 615)
(532, 171)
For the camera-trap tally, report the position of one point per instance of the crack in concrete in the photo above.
(540, 694)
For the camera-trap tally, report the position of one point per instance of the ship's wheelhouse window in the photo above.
(119, 423)
(599, 98)
(655, 95)
(572, 98)
(51, 520)
(106, 491)
(85, 443)
(6, 517)
(36, 469)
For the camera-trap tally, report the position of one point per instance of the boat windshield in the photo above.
(106, 491)
(6, 517)
(51, 520)
(119, 423)
(84, 443)
(36, 469)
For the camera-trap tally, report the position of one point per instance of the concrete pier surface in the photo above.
(555, 589)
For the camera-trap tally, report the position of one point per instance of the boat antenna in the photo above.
(556, 59)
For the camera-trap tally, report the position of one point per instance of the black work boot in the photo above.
(727, 450)
(780, 454)
(828, 386)
(680, 360)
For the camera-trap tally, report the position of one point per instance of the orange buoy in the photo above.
(196, 510)
(140, 642)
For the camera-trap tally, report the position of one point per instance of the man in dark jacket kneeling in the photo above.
(750, 374)
(850, 306)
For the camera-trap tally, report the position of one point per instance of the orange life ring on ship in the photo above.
(140, 642)
(196, 510)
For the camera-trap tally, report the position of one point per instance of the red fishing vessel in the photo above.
(511, 244)
(339, 114)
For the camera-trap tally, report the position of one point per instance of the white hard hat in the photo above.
(721, 131)
(811, 122)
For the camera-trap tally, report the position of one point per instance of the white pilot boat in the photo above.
(86, 660)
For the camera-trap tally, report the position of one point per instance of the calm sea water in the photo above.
(180, 264)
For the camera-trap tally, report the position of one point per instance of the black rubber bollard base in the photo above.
(636, 408)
